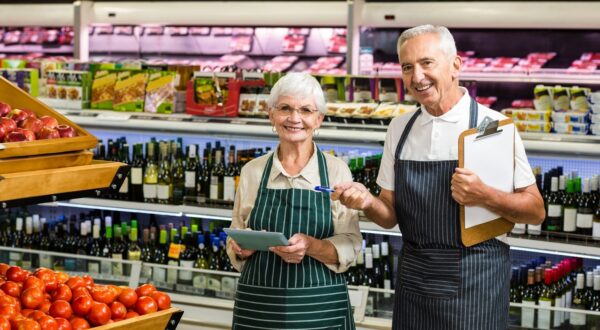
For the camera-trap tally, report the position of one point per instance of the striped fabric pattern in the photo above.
(273, 294)
(441, 283)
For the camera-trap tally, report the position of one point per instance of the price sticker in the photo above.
(175, 250)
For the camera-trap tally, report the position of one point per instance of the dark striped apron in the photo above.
(273, 294)
(441, 283)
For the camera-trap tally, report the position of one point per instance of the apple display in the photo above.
(29, 113)
(49, 121)
(5, 108)
(33, 124)
(9, 124)
(15, 136)
(66, 131)
(28, 133)
(3, 133)
(48, 133)
(17, 115)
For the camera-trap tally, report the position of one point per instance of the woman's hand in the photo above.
(295, 252)
(241, 253)
(353, 195)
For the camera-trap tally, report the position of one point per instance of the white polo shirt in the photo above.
(436, 138)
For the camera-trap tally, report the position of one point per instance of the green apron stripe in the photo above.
(241, 326)
(332, 323)
(337, 319)
(292, 309)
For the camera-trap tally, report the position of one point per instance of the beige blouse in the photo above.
(346, 237)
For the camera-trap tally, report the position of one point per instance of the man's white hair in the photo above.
(446, 39)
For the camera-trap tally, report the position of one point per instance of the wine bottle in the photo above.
(585, 211)
(229, 176)
(173, 257)
(203, 182)
(191, 174)
(200, 280)
(529, 298)
(164, 188)
(118, 249)
(569, 209)
(178, 173)
(95, 250)
(217, 174)
(150, 175)
(160, 257)
(386, 267)
(148, 235)
(578, 320)
(546, 299)
(554, 215)
(106, 265)
(124, 158)
(187, 258)
(137, 174)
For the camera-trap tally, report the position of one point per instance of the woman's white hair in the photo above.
(300, 85)
(446, 39)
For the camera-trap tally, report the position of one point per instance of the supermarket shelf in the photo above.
(551, 77)
(366, 226)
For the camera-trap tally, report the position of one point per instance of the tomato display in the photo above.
(50, 300)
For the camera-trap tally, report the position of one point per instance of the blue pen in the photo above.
(324, 189)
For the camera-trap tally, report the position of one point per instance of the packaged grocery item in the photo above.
(294, 43)
(337, 44)
(387, 90)
(68, 89)
(522, 104)
(595, 129)
(103, 29)
(153, 30)
(241, 43)
(530, 114)
(364, 110)
(242, 31)
(123, 30)
(569, 117)
(487, 101)
(345, 110)
(26, 79)
(406, 107)
(571, 128)
(130, 89)
(103, 89)
(12, 37)
(213, 94)
(330, 88)
(560, 98)
(249, 94)
(579, 100)
(361, 90)
(177, 31)
(542, 99)
(160, 92)
(595, 118)
(279, 63)
(199, 31)
(533, 126)
(385, 110)
(222, 31)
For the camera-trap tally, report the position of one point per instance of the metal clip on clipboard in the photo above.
(487, 127)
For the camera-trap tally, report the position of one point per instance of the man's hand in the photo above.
(295, 251)
(467, 188)
(241, 253)
(353, 195)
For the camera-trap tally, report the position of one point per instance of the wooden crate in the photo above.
(161, 320)
(28, 184)
(18, 98)
(34, 163)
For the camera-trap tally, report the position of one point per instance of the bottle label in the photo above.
(125, 186)
(228, 188)
(387, 284)
(190, 179)
(544, 315)
(136, 175)
(519, 229)
(93, 267)
(214, 188)
(558, 315)
(527, 315)
(45, 261)
(172, 273)
(162, 191)
(159, 275)
(186, 275)
(149, 191)
(146, 272)
(200, 281)
(569, 220)
(596, 230)
(228, 285)
(106, 267)
(584, 220)
(26, 264)
(213, 284)
(117, 267)
(554, 210)
(577, 319)
(534, 229)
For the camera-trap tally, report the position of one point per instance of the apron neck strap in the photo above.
(473, 113)
(323, 175)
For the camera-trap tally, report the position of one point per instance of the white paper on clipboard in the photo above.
(492, 159)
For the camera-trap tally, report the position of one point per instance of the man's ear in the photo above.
(456, 67)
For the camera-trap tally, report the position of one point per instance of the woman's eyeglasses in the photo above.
(286, 110)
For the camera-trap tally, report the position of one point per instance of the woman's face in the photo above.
(295, 119)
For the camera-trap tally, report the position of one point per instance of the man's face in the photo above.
(427, 72)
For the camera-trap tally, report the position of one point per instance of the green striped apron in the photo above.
(273, 294)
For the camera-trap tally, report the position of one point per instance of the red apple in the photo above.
(49, 121)
(48, 133)
(28, 133)
(29, 113)
(33, 124)
(15, 136)
(4, 109)
(17, 115)
(9, 124)
(3, 132)
(66, 131)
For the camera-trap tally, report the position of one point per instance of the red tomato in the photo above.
(36, 315)
(63, 324)
(4, 323)
(2, 280)
(28, 324)
(27, 312)
(75, 281)
(88, 280)
(9, 311)
(163, 301)
(16, 274)
(145, 305)
(117, 310)
(62, 292)
(99, 314)
(61, 308)
(81, 291)
(45, 306)
(128, 297)
(48, 323)
(32, 297)
(82, 305)
(14, 323)
(11, 288)
(145, 290)
(131, 314)
(3, 268)
(48, 277)
(61, 277)
(77, 323)
(33, 281)
(9, 300)
(103, 294)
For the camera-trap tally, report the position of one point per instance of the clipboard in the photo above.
(489, 151)
(256, 240)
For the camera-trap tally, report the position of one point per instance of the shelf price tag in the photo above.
(113, 116)
(175, 250)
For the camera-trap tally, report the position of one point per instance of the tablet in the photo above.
(256, 240)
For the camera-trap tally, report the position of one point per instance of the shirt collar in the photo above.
(455, 114)
(310, 172)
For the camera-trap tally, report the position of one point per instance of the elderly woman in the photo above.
(300, 285)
